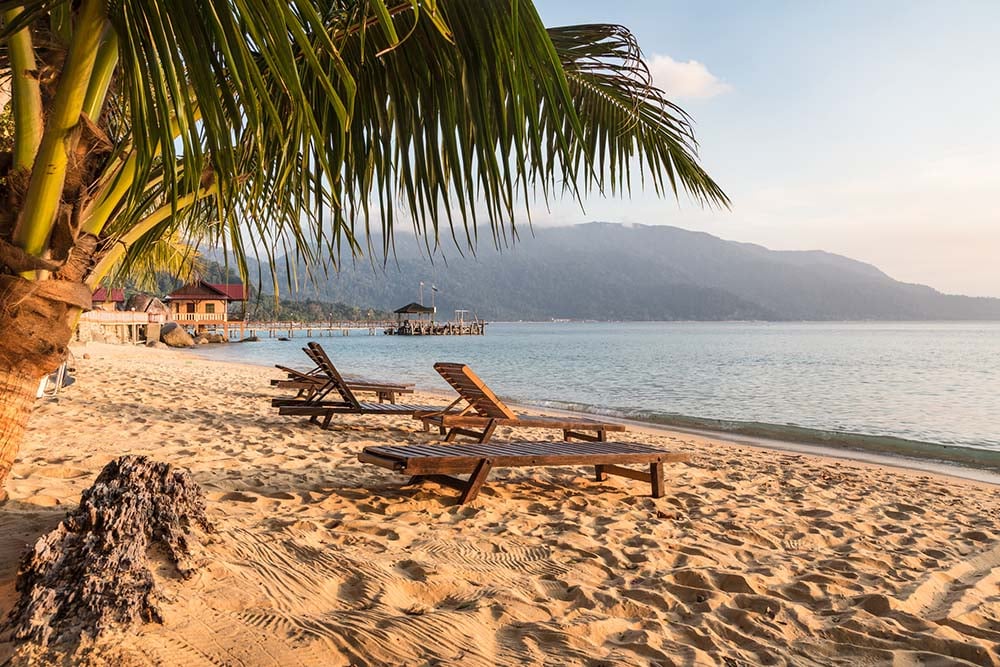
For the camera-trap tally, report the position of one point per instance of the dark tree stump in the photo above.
(93, 571)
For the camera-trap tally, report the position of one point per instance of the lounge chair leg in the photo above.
(602, 436)
(656, 479)
(452, 434)
(599, 474)
(476, 481)
(326, 422)
(488, 432)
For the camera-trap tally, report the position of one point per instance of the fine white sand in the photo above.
(753, 557)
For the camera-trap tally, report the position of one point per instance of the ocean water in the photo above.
(921, 389)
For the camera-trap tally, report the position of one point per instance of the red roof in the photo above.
(114, 295)
(202, 291)
(234, 291)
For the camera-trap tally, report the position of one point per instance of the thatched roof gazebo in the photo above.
(414, 311)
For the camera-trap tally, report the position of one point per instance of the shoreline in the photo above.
(894, 462)
(955, 461)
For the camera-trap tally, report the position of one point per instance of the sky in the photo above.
(868, 129)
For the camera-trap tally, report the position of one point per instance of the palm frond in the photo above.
(445, 136)
(322, 122)
(626, 119)
(170, 254)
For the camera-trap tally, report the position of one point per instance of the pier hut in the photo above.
(411, 318)
(415, 319)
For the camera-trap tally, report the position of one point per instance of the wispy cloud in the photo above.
(685, 80)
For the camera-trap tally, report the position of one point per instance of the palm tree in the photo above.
(301, 126)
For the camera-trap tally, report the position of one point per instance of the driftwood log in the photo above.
(92, 572)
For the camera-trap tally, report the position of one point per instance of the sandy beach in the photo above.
(753, 557)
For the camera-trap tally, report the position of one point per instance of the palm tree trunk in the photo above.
(17, 396)
(36, 324)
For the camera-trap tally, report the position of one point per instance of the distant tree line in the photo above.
(311, 310)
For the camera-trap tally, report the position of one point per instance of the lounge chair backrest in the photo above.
(318, 355)
(473, 390)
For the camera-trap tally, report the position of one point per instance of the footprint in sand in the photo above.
(238, 497)
(61, 472)
(43, 501)
(279, 495)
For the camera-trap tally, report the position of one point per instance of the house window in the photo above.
(210, 308)
(190, 307)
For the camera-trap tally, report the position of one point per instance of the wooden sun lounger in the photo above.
(440, 462)
(307, 383)
(485, 412)
(344, 401)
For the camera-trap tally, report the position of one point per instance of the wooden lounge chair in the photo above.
(307, 383)
(440, 462)
(344, 401)
(486, 411)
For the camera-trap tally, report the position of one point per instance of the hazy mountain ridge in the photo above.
(608, 271)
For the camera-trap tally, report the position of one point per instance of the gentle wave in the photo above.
(976, 457)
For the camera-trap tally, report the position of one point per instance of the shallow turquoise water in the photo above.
(928, 382)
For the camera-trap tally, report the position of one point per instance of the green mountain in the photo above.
(605, 271)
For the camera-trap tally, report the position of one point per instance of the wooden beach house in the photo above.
(203, 305)
(108, 299)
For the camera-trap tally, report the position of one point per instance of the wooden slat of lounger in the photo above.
(315, 410)
(465, 458)
(343, 408)
(440, 462)
(561, 423)
(423, 450)
(473, 390)
(398, 407)
(423, 465)
(296, 384)
(396, 389)
(544, 447)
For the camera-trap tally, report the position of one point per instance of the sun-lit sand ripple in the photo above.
(753, 557)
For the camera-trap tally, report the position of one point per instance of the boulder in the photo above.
(157, 344)
(144, 522)
(201, 339)
(174, 335)
(216, 338)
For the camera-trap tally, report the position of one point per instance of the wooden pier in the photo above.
(289, 330)
(132, 327)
